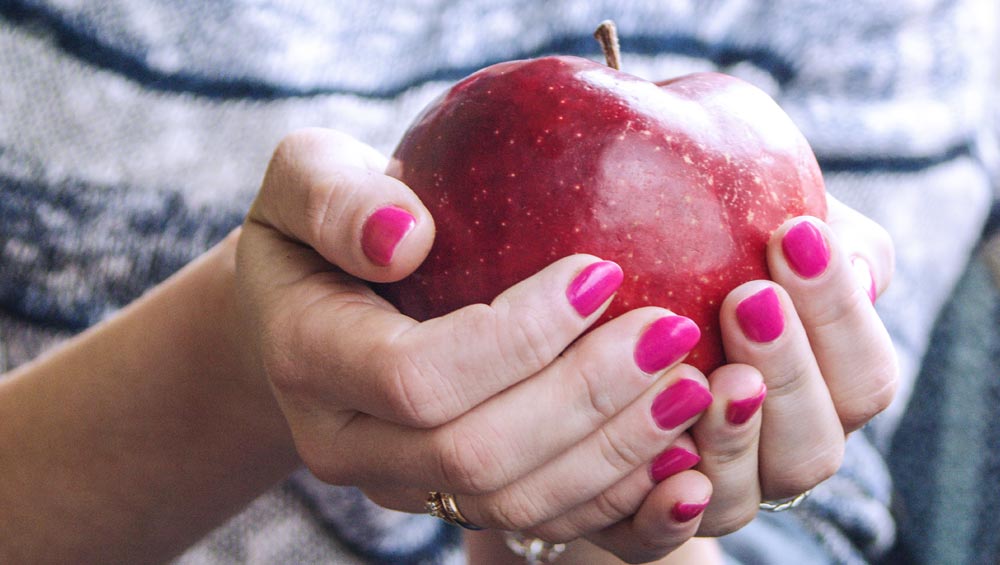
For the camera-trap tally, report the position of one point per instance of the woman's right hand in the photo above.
(504, 405)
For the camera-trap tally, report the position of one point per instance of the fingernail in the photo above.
(383, 231)
(664, 342)
(760, 316)
(680, 402)
(863, 272)
(687, 511)
(594, 286)
(671, 462)
(806, 250)
(739, 411)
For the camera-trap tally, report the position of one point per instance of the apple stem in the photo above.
(607, 36)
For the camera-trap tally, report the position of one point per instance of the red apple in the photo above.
(682, 184)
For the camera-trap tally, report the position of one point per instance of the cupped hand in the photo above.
(809, 362)
(503, 405)
(812, 344)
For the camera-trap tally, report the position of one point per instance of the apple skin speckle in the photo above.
(686, 208)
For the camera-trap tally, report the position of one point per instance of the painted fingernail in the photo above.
(383, 231)
(664, 342)
(806, 250)
(739, 411)
(680, 402)
(671, 462)
(760, 317)
(594, 286)
(687, 511)
(863, 272)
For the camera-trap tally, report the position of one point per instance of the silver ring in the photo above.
(784, 503)
(533, 550)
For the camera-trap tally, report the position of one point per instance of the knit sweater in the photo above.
(134, 134)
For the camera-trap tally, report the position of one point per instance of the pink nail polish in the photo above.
(383, 231)
(739, 411)
(863, 272)
(664, 342)
(806, 250)
(594, 286)
(680, 402)
(760, 316)
(671, 462)
(687, 511)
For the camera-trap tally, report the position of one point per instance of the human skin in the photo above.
(139, 436)
(822, 380)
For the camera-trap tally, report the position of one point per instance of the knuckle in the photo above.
(296, 143)
(321, 188)
(619, 453)
(324, 205)
(530, 344)
(829, 316)
(613, 506)
(788, 379)
(825, 467)
(799, 477)
(279, 357)
(515, 512)
(878, 381)
(282, 372)
(467, 462)
(854, 415)
(413, 390)
(599, 399)
(884, 395)
(730, 454)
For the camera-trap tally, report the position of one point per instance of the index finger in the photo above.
(426, 374)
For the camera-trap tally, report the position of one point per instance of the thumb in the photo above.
(328, 191)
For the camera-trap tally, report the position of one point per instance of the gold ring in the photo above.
(784, 503)
(442, 505)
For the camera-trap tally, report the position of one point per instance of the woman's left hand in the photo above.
(810, 341)
(809, 362)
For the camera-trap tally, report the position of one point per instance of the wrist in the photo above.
(217, 347)
(141, 434)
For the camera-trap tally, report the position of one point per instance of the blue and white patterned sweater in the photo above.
(134, 133)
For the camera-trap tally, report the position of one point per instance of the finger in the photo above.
(426, 374)
(669, 516)
(801, 439)
(727, 436)
(499, 441)
(850, 343)
(328, 191)
(419, 375)
(867, 244)
(584, 388)
(623, 499)
(629, 440)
